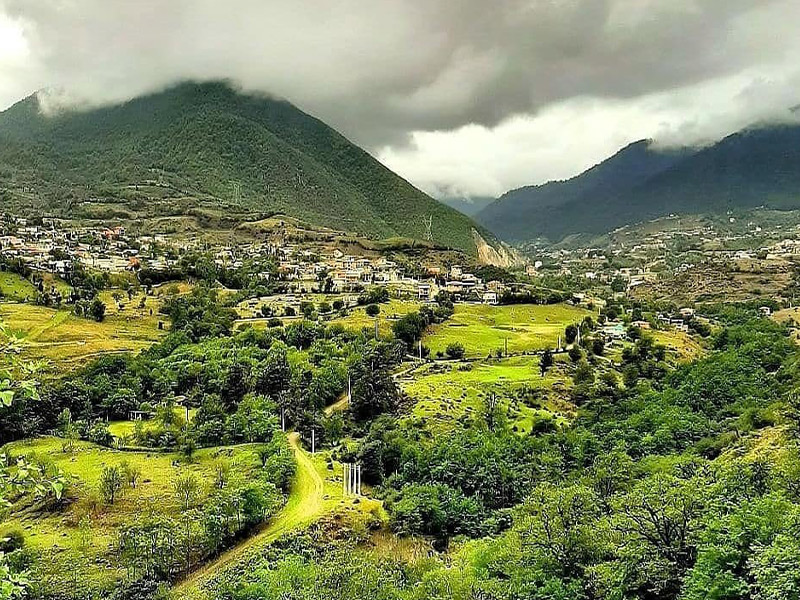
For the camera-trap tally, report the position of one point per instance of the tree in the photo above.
(111, 484)
(558, 525)
(584, 374)
(131, 473)
(546, 361)
(97, 310)
(575, 354)
(187, 492)
(492, 411)
(571, 333)
(372, 310)
(455, 350)
(307, 308)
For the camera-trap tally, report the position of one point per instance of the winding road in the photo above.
(306, 502)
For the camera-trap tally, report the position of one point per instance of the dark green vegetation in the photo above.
(755, 167)
(665, 480)
(677, 487)
(207, 145)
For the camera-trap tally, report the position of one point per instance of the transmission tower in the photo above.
(237, 191)
(428, 228)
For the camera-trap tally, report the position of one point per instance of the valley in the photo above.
(320, 301)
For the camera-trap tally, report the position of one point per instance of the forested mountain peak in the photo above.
(218, 146)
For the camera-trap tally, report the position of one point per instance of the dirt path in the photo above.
(305, 503)
(338, 406)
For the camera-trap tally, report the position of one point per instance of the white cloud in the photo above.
(568, 137)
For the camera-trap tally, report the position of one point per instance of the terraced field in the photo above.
(57, 335)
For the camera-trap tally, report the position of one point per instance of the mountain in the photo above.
(468, 206)
(205, 144)
(758, 166)
(546, 210)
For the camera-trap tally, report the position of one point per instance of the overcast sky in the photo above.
(462, 97)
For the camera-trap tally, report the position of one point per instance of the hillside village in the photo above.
(632, 259)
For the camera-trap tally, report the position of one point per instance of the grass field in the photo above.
(683, 346)
(356, 318)
(482, 329)
(16, 288)
(125, 429)
(447, 394)
(57, 535)
(391, 311)
(57, 335)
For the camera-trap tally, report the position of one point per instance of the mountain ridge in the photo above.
(216, 145)
(759, 165)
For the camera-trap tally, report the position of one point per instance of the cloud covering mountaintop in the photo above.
(463, 97)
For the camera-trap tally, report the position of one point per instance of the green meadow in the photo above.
(449, 394)
(16, 288)
(483, 329)
(58, 336)
(70, 546)
(391, 311)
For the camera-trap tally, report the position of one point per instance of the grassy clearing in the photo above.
(57, 535)
(482, 329)
(125, 429)
(356, 318)
(682, 345)
(449, 394)
(59, 336)
(391, 311)
(16, 288)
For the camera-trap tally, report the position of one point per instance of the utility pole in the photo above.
(420, 349)
(313, 441)
(349, 388)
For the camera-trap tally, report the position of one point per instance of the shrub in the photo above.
(111, 483)
(11, 540)
(455, 350)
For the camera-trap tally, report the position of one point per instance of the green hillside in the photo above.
(206, 144)
(759, 166)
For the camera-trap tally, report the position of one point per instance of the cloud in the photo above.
(403, 77)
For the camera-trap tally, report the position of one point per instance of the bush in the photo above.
(99, 434)
(111, 482)
(11, 540)
(575, 354)
(455, 350)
